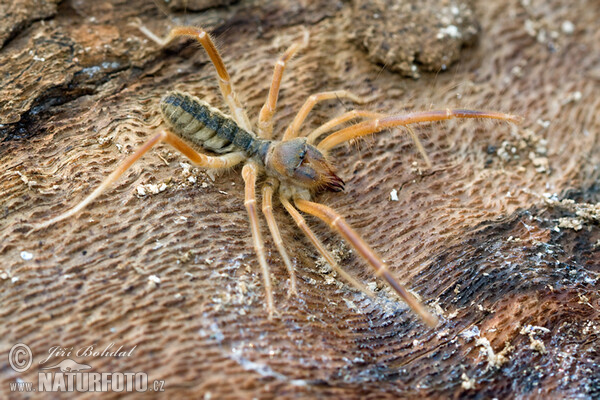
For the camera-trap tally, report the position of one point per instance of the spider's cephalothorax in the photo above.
(299, 163)
(293, 165)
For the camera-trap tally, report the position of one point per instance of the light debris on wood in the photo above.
(495, 360)
(416, 169)
(467, 383)
(571, 223)
(535, 344)
(153, 281)
(150, 188)
(567, 27)
(585, 212)
(25, 255)
(526, 145)
(372, 286)
(29, 182)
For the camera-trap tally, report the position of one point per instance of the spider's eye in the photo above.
(301, 157)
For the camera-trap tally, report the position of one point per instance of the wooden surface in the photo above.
(488, 237)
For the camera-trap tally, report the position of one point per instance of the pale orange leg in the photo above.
(265, 118)
(321, 248)
(368, 114)
(348, 116)
(249, 173)
(379, 124)
(238, 112)
(293, 129)
(336, 222)
(267, 209)
(225, 161)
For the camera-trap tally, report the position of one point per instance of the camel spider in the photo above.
(293, 167)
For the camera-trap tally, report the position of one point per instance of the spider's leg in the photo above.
(292, 130)
(225, 161)
(336, 222)
(314, 135)
(238, 112)
(249, 173)
(379, 124)
(321, 248)
(267, 209)
(265, 118)
(347, 116)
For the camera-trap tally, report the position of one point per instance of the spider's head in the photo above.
(299, 163)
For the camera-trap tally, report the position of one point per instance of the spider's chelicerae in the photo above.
(293, 167)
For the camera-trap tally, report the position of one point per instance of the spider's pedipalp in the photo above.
(293, 129)
(332, 123)
(336, 222)
(379, 124)
(238, 112)
(249, 173)
(267, 209)
(265, 118)
(321, 248)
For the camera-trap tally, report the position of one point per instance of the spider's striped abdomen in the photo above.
(197, 122)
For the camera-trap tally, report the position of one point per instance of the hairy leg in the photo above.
(379, 124)
(267, 209)
(265, 118)
(249, 173)
(321, 248)
(238, 112)
(336, 222)
(293, 129)
(202, 160)
(332, 123)
(350, 115)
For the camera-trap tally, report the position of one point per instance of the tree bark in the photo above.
(499, 237)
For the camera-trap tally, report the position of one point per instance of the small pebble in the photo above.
(567, 27)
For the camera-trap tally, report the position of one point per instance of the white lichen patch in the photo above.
(186, 169)
(525, 147)
(104, 139)
(27, 181)
(467, 383)
(153, 281)
(547, 31)
(340, 252)
(535, 343)
(571, 223)
(439, 311)
(495, 360)
(150, 188)
(352, 305)
(415, 169)
(450, 31)
(192, 175)
(373, 286)
(584, 212)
